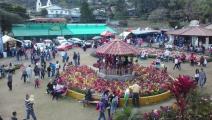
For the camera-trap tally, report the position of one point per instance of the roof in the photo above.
(88, 29)
(58, 29)
(209, 27)
(117, 47)
(42, 29)
(48, 20)
(191, 31)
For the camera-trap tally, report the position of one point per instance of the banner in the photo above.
(1, 42)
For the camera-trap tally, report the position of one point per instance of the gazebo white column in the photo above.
(206, 42)
(194, 40)
(171, 39)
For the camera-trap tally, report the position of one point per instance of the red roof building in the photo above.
(117, 47)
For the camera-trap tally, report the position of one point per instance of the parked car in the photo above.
(88, 44)
(48, 42)
(76, 41)
(64, 46)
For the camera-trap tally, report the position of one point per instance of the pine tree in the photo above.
(86, 13)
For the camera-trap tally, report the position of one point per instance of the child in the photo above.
(14, 116)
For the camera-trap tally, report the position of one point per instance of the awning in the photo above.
(7, 38)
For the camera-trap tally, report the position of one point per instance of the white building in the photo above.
(53, 10)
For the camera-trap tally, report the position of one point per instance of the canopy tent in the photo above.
(125, 34)
(138, 31)
(107, 34)
(96, 37)
(117, 47)
(7, 38)
(191, 31)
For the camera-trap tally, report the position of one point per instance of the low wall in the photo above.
(143, 100)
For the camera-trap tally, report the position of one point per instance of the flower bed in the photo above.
(153, 53)
(151, 80)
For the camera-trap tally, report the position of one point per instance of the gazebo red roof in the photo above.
(117, 47)
(192, 31)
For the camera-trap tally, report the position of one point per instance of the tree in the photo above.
(158, 14)
(86, 13)
(43, 12)
(7, 19)
(121, 11)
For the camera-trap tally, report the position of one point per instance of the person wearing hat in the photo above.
(29, 102)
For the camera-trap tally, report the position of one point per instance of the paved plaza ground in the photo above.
(68, 108)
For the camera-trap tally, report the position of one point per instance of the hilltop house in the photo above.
(53, 10)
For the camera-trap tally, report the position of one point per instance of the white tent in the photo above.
(7, 38)
(124, 34)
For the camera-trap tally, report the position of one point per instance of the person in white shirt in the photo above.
(176, 63)
(167, 54)
(29, 73)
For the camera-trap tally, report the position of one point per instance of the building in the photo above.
(53, 10)
(53, 29)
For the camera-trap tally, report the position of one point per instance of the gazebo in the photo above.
(116, 60)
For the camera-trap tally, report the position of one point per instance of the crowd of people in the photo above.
(43, 63)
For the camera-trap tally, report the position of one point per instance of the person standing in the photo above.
(10, 79)
(78, 58)
(202, 78)
(135, 94)
(57, 68)
(24, 75)
(196, 76)
(49, 71)
(29, 72)
(29, 102)
(205, 62)
(75, 58)
(126, 97)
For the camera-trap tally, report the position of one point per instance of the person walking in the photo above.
(202, 78)
(29, 73)
(135, 94)
(78, 58)
(42, 72)
(29, 102)
(176, 63)
(114, 105)
(101, 108)
(10, 79)
(24, 75)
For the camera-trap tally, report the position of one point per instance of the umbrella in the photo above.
(96, 37)
(107, 33)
